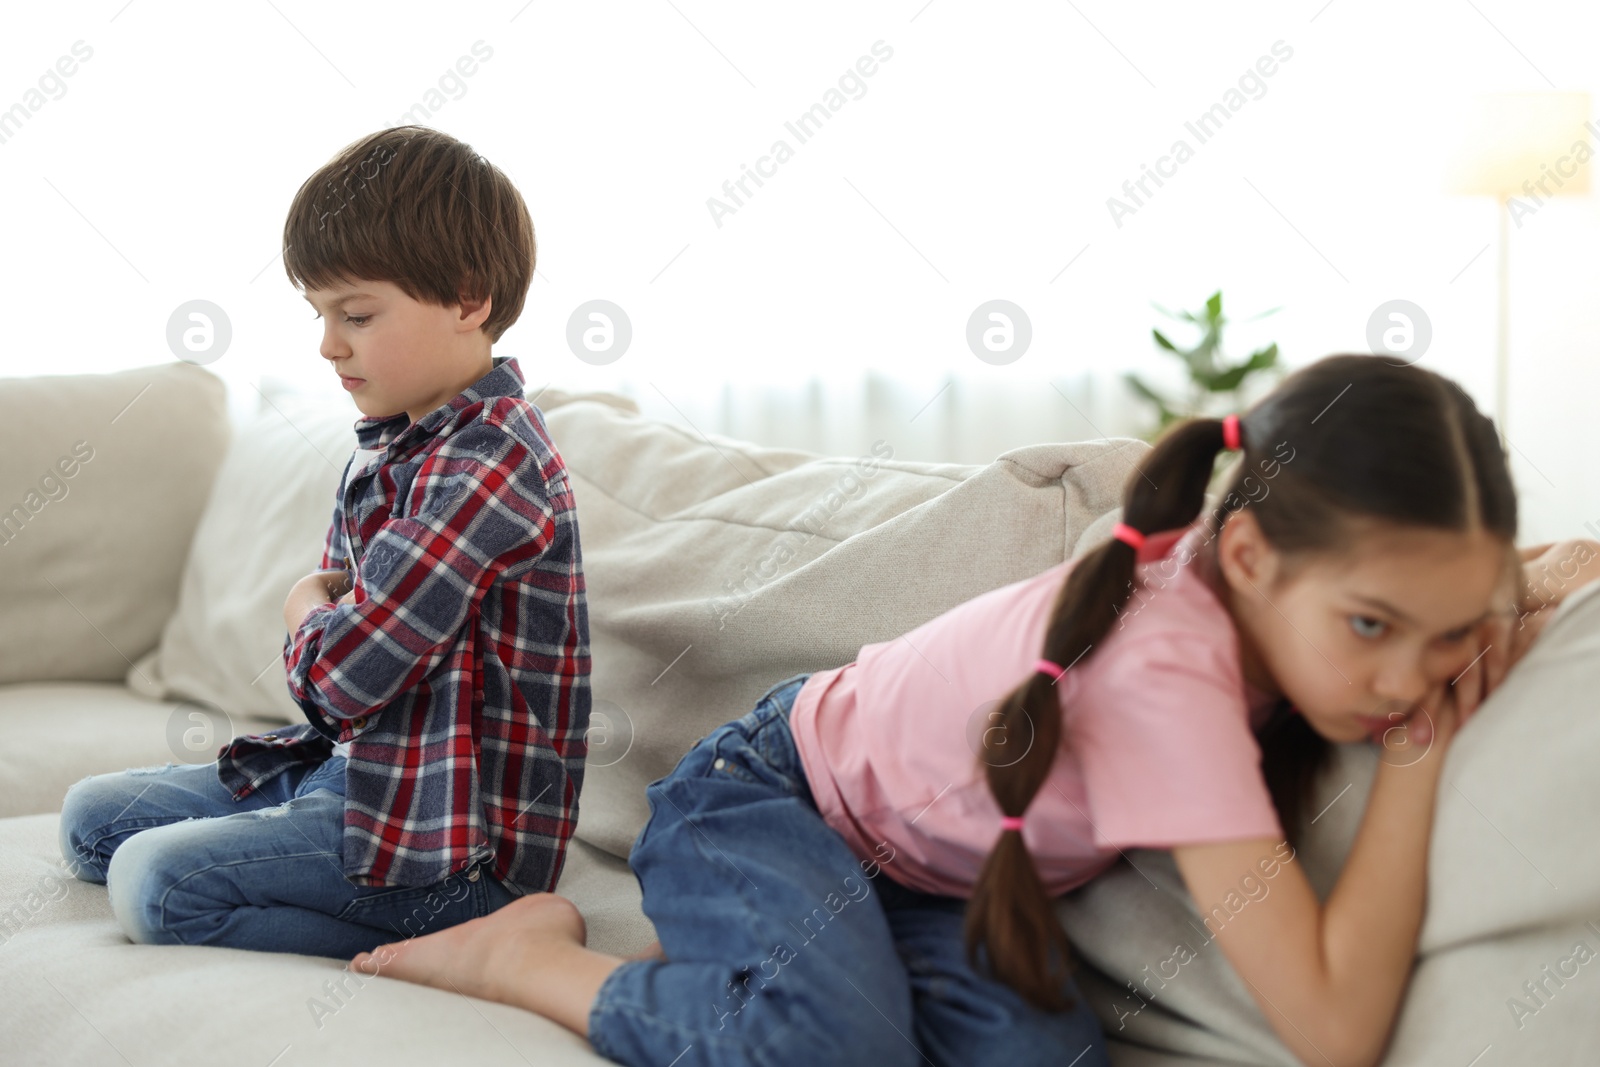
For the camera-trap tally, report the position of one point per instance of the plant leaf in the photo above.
(1138, 386)
(1264, 314)
(1262, 358)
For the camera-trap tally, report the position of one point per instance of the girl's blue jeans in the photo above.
(783, 947)
(186, 864)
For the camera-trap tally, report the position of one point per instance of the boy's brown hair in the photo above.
(418, 208)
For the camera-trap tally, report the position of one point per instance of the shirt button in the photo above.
(269, 737)
(720, 763)
(473, 876)
(358, 722)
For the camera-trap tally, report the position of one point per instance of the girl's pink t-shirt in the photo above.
(1158, 747)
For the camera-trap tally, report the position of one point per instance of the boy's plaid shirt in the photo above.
(460, 672)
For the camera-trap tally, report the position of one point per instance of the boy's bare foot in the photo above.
(529, 954)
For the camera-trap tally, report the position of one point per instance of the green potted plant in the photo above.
(1215, 385)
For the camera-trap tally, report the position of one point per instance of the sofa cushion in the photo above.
(104, 479)
(54, 733)
(262, 529)
(75, 990)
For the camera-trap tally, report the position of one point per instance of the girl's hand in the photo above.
(1508, 635)
(1433, 724)
(1551, 572)
(1447, 707)
(1495, 656)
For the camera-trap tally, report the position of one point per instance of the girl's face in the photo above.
(1356, 641)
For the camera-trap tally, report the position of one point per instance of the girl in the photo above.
(1176, 687)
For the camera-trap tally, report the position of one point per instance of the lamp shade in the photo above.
(1511, 141)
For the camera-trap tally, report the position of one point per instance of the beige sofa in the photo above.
(140, 593)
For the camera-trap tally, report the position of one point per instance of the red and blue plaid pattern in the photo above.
(459, 674)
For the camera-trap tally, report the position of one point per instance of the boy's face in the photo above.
(397, 354)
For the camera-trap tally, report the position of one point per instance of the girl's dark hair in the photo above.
(1344, 441)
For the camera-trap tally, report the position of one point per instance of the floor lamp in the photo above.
(1523, 149)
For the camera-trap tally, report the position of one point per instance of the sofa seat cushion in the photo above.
(75, 990)
(55, 733)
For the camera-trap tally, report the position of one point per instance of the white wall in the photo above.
(976, 166)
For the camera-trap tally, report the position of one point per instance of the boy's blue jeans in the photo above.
(784, 948)
(186, 864)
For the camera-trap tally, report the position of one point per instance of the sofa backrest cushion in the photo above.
(262, 529)
(103, 481)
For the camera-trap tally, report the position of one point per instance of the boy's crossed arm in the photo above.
(321, 586)
(314, 590)
(420, 579)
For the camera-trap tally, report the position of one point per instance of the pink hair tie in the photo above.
(1230, 432)
(1010, 822)
(1053, 670)
(1127, 534)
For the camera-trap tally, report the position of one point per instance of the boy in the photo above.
(445, 676)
